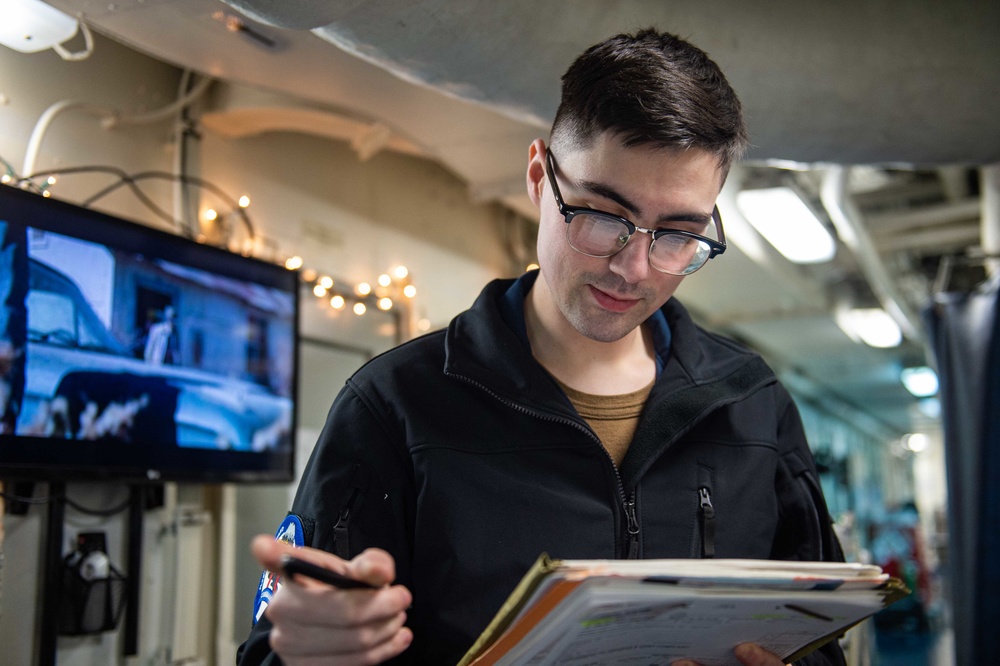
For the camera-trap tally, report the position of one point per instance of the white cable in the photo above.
(111, 118)
(42, 125)
(78, 55)
(162, 113)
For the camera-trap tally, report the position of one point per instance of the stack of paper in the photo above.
(583, 612)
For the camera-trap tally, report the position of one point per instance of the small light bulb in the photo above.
(424, 325)
(51, 180)
(384, 280)
(293, 263)
(359, 309)
(309, 275)
(338, 302)
(531, 267)
(400, 272)
(5, 178)
(46, 194)
(326, 281)
(244, 201)
(385, 303)
(319, 290)
(363, 288)
(409, 291)
(211, 214)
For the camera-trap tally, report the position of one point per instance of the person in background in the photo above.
(161, 340)
(576, 411)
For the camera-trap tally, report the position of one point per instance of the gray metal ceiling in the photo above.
(857, 82)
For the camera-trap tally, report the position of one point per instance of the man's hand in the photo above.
(748, 654)
(314, 623)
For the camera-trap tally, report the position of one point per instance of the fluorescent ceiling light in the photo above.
(872, 326)
(29, 26)
(921, 382)
(788, 224)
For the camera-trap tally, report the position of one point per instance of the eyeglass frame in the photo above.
(568, 212)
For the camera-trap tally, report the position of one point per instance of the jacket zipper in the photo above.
(628, 503)
(633, 527)
(707, 518)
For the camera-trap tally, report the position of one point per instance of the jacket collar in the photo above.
(703, 371)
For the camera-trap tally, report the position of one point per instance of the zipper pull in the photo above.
(341, 539)
(707, 523)
(633, 528)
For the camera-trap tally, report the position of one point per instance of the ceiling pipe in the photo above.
(954, 238)
(968, 209)
(847, 221)
(990, 225)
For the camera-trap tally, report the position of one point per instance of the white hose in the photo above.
(42, 126)
(111, 118)
(162, 113)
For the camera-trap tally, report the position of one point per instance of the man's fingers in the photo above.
(750, 654)
(325, 606)
(374, 566)
(311, 640)
(376, 655)
(269, 550)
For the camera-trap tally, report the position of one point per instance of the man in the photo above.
(161, 340)
(576, 411)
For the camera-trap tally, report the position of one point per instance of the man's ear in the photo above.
(535, 176)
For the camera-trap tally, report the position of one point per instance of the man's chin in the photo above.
(607, 328)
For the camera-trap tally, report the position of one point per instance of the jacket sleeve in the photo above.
(355, 493)
(806, 528)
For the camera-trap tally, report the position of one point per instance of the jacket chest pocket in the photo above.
(710, 500)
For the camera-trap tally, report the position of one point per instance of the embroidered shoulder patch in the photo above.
(291, 532)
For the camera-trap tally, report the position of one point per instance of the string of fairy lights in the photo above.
(393, 289)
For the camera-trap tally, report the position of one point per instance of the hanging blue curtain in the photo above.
(965, 343)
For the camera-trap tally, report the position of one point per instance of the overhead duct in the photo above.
(847, 221)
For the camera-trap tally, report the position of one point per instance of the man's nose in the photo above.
(632, 261)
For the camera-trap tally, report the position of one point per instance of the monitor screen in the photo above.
(132, 353)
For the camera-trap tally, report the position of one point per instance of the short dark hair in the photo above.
(650, 88)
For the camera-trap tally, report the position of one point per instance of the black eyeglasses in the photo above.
(599, 234)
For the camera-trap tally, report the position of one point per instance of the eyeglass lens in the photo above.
(601, 236)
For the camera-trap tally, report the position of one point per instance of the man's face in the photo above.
(605, 299)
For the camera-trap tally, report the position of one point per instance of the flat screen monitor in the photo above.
(135, 354)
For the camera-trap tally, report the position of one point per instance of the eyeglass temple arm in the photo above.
(718, 227)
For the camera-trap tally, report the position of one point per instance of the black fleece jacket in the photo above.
(460, 455)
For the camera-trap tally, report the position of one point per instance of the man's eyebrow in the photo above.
(606, 192)
(611, 194)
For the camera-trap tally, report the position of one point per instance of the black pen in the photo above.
(291, 566)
